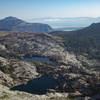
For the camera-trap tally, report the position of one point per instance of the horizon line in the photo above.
(51, 17)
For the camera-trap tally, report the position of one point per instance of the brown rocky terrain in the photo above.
(75, 74)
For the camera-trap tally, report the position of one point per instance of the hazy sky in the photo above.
(49, 8)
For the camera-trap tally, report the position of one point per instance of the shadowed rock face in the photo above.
(83, 41)
(14, 24)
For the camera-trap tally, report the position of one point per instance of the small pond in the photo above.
(41, 59)
(38, 85)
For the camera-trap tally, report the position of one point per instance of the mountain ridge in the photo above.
(82, 41)
(14, 24)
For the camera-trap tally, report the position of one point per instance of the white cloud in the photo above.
(52, 20)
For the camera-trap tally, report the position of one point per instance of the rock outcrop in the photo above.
(14, 72)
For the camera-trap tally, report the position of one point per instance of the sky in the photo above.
(49, 8)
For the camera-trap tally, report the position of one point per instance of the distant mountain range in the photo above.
(15, 24)
(35, 24)
(57, 22)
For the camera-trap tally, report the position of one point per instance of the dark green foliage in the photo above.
(4, 68)
(6, 96)
(94, 84)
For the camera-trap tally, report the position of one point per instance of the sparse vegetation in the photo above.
(4, 96)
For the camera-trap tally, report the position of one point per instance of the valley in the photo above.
(59, 65)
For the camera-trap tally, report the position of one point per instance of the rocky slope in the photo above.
(14, 72)
(74, 73)
(36, 44)
(15, 24)
(84, 44)
(84, 41)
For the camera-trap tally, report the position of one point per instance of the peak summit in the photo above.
(12, 18)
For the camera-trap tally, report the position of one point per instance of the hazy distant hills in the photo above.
(15, 24)
(57, 22)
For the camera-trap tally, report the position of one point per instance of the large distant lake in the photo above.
(68, 28)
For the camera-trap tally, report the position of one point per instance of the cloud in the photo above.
(53, 20)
